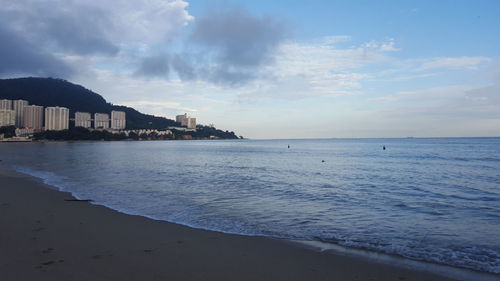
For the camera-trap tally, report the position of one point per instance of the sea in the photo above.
(435, 200)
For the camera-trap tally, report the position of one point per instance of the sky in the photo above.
(273, 69)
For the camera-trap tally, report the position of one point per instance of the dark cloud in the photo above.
(228, 46)
(237, 38)
(230, 75)
(37, 35)
(235, 44)
(69, 27)
(185, 68)
(21, 57)
(81, 32)
(154, 66)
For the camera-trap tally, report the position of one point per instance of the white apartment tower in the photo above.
(56, 118)
(118, 120)
(18, 107)
(101, 121)
(6, 104)
(189, 122)
(7, 117)
(179, 118)
(33, 117)
(83, 119)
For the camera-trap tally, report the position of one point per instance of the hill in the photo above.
(58, 92)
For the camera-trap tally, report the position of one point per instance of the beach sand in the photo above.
(44, 237)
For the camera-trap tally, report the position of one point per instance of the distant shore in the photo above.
(46, 237)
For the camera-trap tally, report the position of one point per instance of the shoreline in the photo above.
(44, 237)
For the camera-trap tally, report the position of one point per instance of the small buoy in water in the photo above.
(322, 161)
(288, 146)
(383, 147)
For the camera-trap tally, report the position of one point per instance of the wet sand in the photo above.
(45, 237)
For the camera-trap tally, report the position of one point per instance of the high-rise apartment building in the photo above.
(101, 121)
(56, 118)
(179, 118)
(189, 122)
(6, 104)
(7, 117)
(118, 120)
(83, 119)
(33, 117)
(18, 107)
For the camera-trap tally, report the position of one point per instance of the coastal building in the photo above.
(187, 121)
(56, 118)
(24, 132)
(181, 129)
(148, 132)
(33, 117)
(18, 107)
(7, 117)
(5, 104)
(190, 123)
(101, 121)
(180, 118)
(118, 120)
(83, 119)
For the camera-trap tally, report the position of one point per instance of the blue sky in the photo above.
(275, 69)
(460, 27)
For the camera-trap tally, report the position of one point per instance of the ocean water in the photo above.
(435, 200)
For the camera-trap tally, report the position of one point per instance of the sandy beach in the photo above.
(45, 237)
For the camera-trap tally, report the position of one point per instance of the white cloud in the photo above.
(387, 46)
(332, 40)
(446, 102)
(318, 69)
(147, 21)
(460, 63)
(320, 58)
(158, 107)
(428, 95)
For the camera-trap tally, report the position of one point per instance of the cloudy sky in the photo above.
(273, 69)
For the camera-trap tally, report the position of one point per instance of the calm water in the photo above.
(436, 200)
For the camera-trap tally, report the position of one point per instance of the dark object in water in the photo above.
(322, 161)
(383, 147)
(288, 146)
(78, 200)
